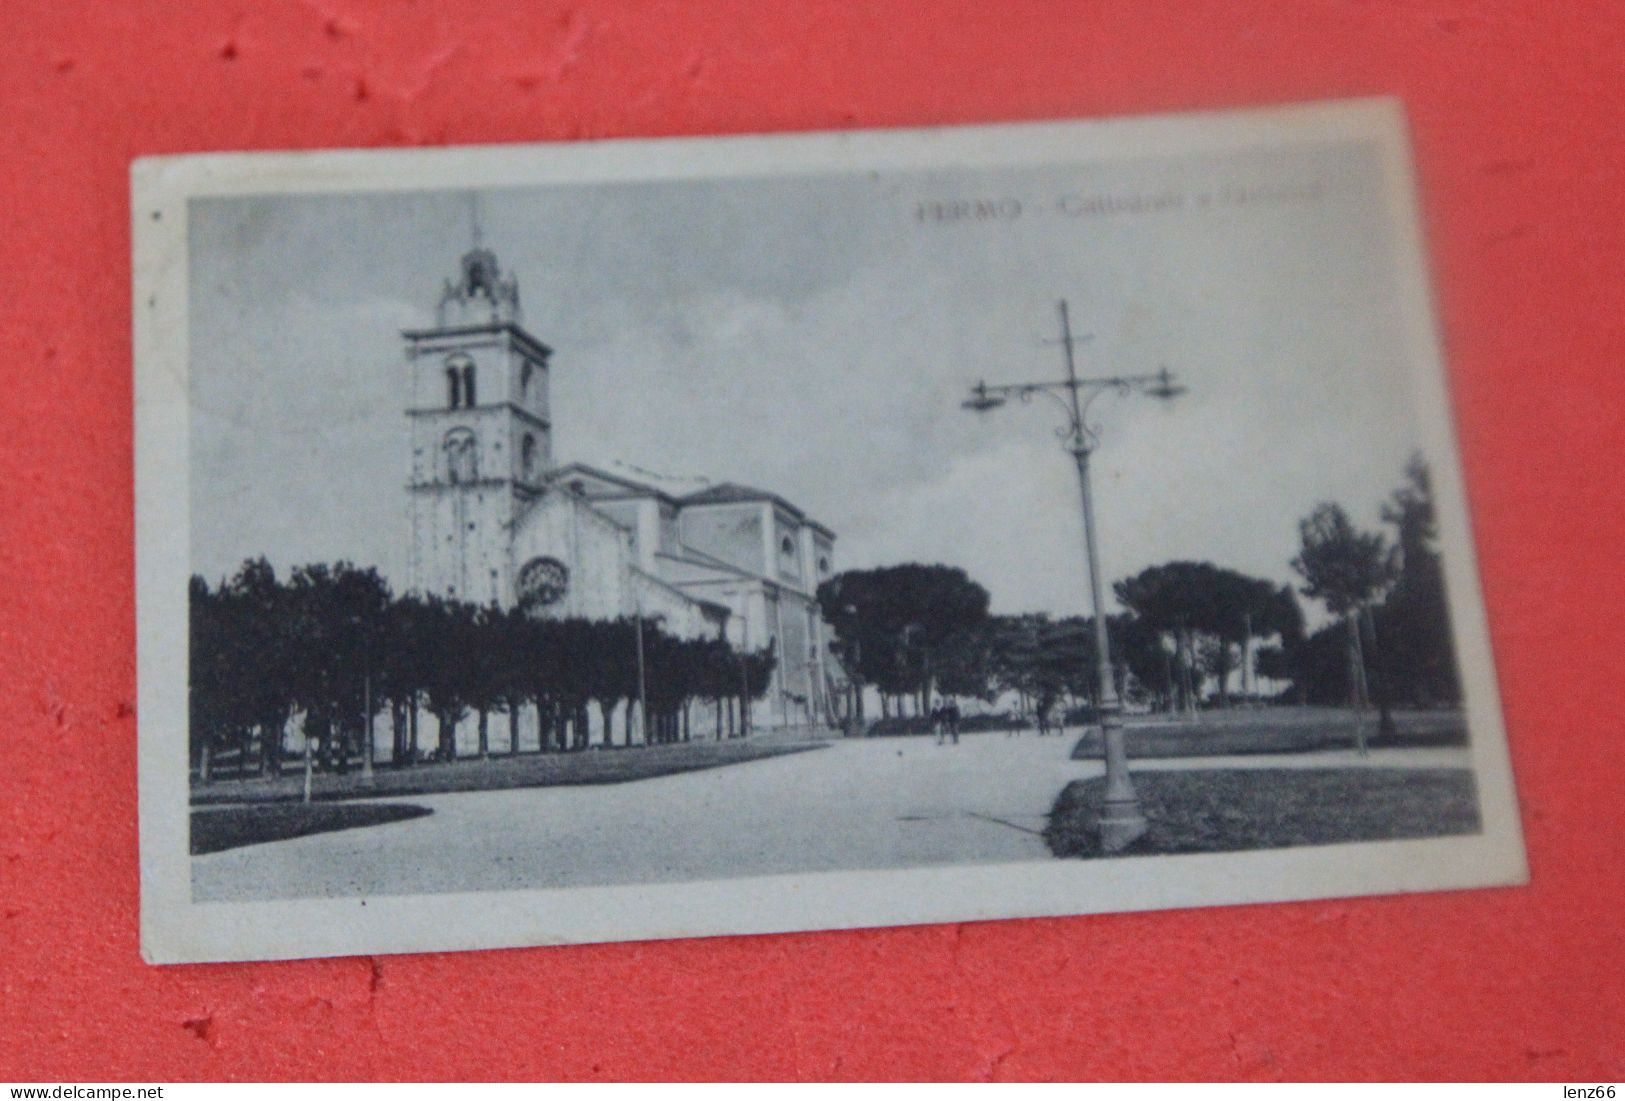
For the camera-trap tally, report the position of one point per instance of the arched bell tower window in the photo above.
(524, 381)
(462, 456)
(459, 381)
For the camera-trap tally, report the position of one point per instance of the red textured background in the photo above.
(1519, 118)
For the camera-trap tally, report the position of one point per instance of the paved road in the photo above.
(880, 803)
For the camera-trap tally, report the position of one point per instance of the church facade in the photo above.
(494, 518)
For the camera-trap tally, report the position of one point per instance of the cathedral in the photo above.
(495, 518)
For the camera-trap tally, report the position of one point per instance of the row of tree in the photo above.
(334, 648)
(913, 631)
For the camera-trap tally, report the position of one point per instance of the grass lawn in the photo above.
(234, 827)
(593, 766)
(1224, 810)
(1277, 730)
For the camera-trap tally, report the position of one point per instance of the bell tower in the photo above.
(480, 432)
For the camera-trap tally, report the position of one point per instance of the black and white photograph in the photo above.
(624, 540)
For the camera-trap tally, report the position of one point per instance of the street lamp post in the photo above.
(854, 655)
(1121, 819)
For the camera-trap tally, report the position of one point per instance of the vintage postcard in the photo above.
(561, 543)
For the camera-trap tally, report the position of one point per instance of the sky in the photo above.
(815, 336)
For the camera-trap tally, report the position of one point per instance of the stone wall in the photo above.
(597, 551)
(731, 532)
(459, 544)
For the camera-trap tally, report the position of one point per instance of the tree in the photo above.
(1012, 655)
(756, 674)
(1216, 657)
(407, 653)
(1041, 660)
(240, 675)
(1211, 613)
(692, 657)
(1274, 662)
(718, 675)
(1414, 621)
(1065, 661)
(262, 626)
(609, 669)
(338, 616)
(539, 666)
(1241, 608)
(573, 642)
(1180, 600)
(1138, 647)
(211, 680)
(667, 676)
(1346, 570)
(893, 621)
(511, 682)
(448, 683)
(486, 685)
(1286, 620)
(857, 608)
(963, 663)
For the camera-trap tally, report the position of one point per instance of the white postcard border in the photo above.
(175, 929)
